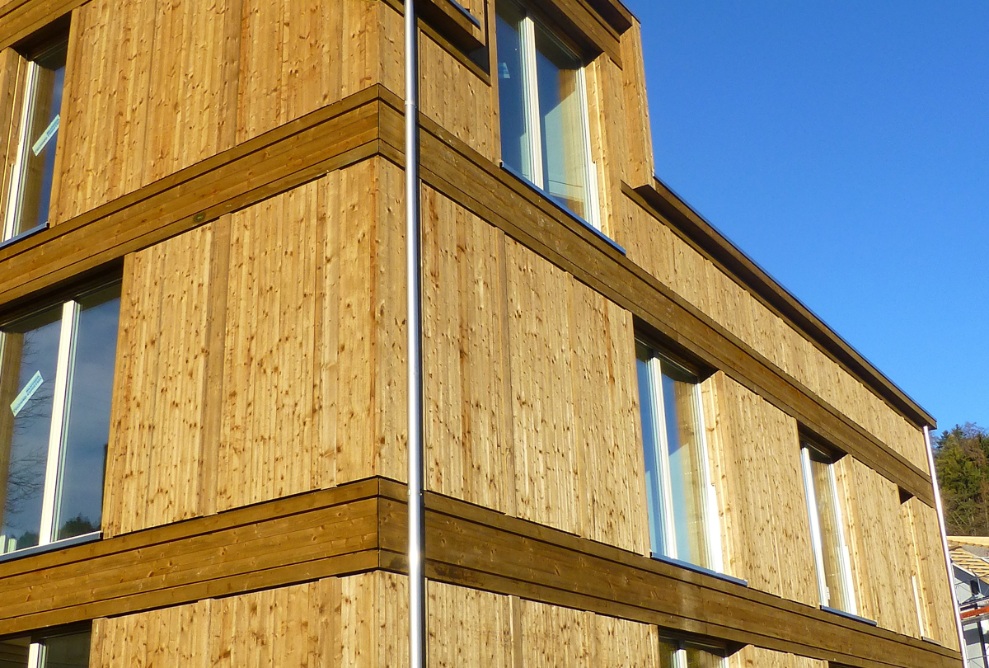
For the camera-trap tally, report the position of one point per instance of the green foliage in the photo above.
(961, 458)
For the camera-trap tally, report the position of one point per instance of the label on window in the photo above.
(47, 135)
(24, 396)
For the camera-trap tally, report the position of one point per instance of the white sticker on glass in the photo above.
(47, 135)
(25, 395)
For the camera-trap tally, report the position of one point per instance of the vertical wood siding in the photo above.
(330, 622)
(651, 244)
(755, 450)
(457, 99)
(158, 85)
(756, 657)
(230, 374)
(156, 435)
(530, 383)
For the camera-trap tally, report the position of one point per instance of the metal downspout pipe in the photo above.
(413, 232)
(944, 540)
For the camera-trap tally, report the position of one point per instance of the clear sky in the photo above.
(844, 146)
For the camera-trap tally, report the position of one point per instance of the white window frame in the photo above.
(15, 196)
(710, 519)
(38, 648)
(680, 654)
(64, 373)
(535, 132)
(816, 536)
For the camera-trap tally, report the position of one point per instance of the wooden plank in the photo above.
(637, 161)
(190, 70)
(111, 56)
(546, 477)
(505, 555)
(19, 20)
(448, 164)
(457, 99)
(295, 69)
(268, 421)
(154, 453)
(468, 627)
(244, 175)
(755, 452)
(467, 379)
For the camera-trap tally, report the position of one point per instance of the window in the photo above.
(834, 578)
(675, 653)
(70, 650)
(683, 516)
(56, 376)
(543, 111)
(41, 75)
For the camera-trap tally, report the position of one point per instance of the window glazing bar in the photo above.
(63, 386)
(531, 83)
(815, 526)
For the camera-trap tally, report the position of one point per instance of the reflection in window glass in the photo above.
(31, 184)
(58, 651)
(675, 653)
(544, 134)
(678, 491)
(827, 531)
(56, 374)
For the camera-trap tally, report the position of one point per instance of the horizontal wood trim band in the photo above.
(22, 18)
(330, 138)
(297, 539)
(472, 546)
(664, 203)
(449, 165)
(361, 526)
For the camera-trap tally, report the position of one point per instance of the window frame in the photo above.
(682, 645)
(38, 643)
(710, 515)
(811, 452)
(55, 39)
(66, 364)
(531, 112)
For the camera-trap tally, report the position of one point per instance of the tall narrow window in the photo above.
(56, 376)
(543, 111)
(42, 78)
(683, 518)
(70, 650)
(676, 653)
(827, 529)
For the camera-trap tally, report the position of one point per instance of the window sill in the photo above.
(849, 615)
(51, 547)
(549, 198)
(23, 235)
(699, 569)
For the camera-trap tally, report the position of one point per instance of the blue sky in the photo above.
(845, 148)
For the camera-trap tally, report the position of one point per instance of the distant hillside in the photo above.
(961, 457)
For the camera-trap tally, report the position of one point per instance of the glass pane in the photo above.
(515, 137)
(27, 381)
(701, 658)
(685, 455)
(80, 490)
(655, 498)
(561, 118)
(70, 651)
(14, 652)
(667, 654)
(39, 139)
(827, 513)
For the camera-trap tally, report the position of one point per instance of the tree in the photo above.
(961, 459)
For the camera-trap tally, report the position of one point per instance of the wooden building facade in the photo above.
(639, 449)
